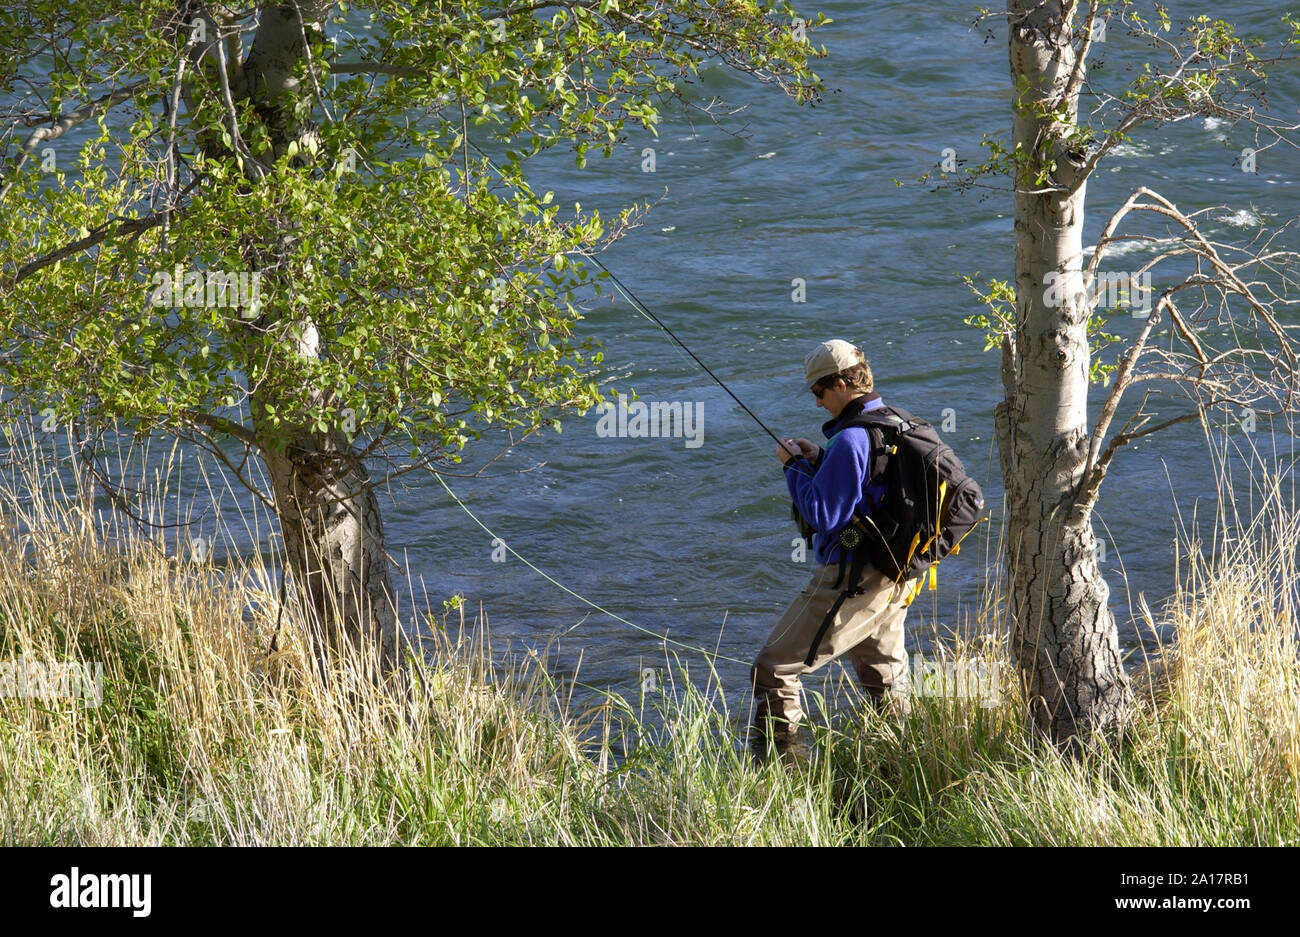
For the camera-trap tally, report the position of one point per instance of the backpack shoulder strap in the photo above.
(878, 422)
(885, 417)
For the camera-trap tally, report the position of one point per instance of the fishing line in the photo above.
(586, 601)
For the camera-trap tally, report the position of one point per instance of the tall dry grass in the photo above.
(207, 736)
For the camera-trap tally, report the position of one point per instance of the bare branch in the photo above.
(61, 125)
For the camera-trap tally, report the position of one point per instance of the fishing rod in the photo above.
(645, 311)
(641, 307)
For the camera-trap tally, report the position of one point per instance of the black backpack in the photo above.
(928, 506)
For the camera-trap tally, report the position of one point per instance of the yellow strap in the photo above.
(956, 547)
(913, 592)
(943, 489)
(916, 538)
(934, 567)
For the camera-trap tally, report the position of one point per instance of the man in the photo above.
(828, 486)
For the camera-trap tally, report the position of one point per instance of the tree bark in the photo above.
(334, 544)
(1063, 635)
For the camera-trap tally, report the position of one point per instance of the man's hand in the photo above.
(790, 448)
(807, 449)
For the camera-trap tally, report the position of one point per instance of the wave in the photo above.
(1134, 150)
(1244, 218)
(1124, 248)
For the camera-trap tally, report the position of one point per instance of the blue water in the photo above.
(676, 539)
(680, 540)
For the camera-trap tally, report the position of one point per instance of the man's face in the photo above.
(834, 397)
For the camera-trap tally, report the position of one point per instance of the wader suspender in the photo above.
(879, 456)
(851, 590)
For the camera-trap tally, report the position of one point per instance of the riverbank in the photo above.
(203, 735)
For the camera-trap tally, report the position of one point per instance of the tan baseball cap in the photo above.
(830, 358)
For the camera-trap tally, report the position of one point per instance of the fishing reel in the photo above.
(850, 537)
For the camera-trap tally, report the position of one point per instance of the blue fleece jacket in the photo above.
(828, 494)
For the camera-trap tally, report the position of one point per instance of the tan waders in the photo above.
(867, 627)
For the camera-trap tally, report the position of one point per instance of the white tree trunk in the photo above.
(328, 513)
(1063, 634)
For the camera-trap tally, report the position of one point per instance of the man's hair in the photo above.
(857, 378)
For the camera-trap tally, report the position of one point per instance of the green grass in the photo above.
(204, 737)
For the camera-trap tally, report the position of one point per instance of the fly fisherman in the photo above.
(827, 620)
